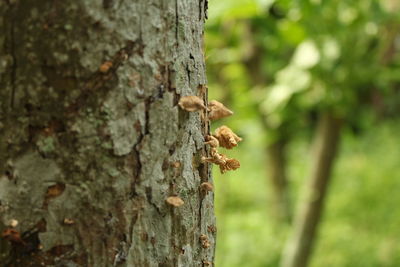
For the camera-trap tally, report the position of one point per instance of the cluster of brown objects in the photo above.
(225, 164)
(223, 136)
(205, 243)
(216, 110)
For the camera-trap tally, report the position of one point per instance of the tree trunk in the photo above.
(277, 175)
(92, 141)
(299, 245)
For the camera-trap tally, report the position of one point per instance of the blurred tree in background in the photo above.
(295, 72)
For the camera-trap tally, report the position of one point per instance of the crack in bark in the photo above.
(200, 9)
(149, 198)
(136, 177)
(188, 73)
(177, 22)
(206, 9)
(13, 74)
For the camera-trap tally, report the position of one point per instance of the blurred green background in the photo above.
(280, 66)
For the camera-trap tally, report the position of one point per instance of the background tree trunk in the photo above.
(92, 141)
(275, 149)
(276, 155)
(299, 246)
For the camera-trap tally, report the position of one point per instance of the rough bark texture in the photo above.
(299, 247)
(89, 154)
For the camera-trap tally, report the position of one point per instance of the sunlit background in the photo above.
(281, 66)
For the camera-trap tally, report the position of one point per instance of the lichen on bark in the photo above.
(88, 155)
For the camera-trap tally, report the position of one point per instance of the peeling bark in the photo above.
(90, 152)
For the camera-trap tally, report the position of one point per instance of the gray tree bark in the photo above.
(299, 245)
(92, 141)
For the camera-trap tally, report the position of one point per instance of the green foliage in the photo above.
(278, 63)
(361, 219)
(300, 57)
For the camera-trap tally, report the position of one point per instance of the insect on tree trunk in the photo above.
(299, 246)
(92, 141)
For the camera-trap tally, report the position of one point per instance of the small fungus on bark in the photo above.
(230, 165)
(215, 158)
(68, 221)
(218, 110)
(212, 141)
(226, 137)
(206, 186)
(13, 223)
(204, 241)
(105, 67)
(206, 263)
(175, 201)
(192, 103)
(225, 164)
